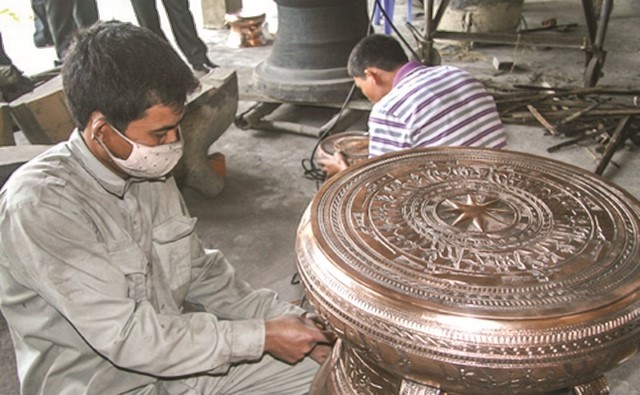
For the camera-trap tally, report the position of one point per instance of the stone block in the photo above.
(6, 126)
(209, 113)
(42, 114)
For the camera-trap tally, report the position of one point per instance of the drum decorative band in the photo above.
(471, 271)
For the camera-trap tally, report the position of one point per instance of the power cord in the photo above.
(310, 170)
(395, 30)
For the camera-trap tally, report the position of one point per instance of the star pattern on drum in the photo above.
(476, 213)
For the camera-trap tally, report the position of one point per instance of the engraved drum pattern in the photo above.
(472, 270)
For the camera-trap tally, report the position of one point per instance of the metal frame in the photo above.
(256, 118)
(592, 44)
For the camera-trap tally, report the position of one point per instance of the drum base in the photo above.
(344, 373)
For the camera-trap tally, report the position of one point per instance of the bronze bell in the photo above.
(308, 61)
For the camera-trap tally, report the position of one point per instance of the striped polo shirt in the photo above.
(434, 106)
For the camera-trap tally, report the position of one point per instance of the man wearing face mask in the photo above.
(104, 284)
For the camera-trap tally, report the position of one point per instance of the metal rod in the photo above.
(575, 140)
(287, 127)
(590, 19)
(578, 114)
(254, 115)
(346, 119)
(509, 38)
(603, 23)
(618, 138)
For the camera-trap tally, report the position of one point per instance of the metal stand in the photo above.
(256, 118)
(592, 44)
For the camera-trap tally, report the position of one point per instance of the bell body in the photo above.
(308, 61)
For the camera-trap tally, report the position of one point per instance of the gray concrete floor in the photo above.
(254, 220)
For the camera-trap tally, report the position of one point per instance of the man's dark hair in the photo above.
(376, 50)
(122, 70)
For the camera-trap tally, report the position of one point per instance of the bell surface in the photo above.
(471, 271)
(308, 61)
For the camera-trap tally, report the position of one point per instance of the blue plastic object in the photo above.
(388, 6)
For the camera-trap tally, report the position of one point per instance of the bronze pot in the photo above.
(471, 271)
(354, 146)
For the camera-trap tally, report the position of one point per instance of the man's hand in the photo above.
(290, 338)
(320, 352)
(331, 164)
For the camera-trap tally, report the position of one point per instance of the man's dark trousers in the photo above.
(182, 26)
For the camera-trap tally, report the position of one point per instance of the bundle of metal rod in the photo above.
(607, 117)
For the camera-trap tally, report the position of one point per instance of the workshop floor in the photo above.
(254, 220)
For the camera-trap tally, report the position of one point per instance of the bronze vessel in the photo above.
(471, 271)
(354, 146)
(245, 31)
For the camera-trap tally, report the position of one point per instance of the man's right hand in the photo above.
(290, 338)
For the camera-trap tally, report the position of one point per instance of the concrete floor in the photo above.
(254, 220)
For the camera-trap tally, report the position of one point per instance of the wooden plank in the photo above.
(542, 120)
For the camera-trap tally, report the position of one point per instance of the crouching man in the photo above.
(99, 257)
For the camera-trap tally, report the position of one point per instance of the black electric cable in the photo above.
(313, 172)
(395, 30)
(310, 170)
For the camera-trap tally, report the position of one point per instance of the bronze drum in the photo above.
(471, 271)
(354, 145)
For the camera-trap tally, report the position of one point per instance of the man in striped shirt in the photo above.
(416, 105)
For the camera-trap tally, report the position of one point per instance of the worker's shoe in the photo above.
(203, 66)
(200, 69)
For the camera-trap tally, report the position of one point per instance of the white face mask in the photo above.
(148, 161)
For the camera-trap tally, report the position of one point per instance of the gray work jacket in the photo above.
(94, 275)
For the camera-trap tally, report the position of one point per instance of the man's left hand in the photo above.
(332, 164)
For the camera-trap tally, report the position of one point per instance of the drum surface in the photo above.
(472, 270)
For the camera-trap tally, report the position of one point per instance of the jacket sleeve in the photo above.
(215, 286)
(59, 254)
